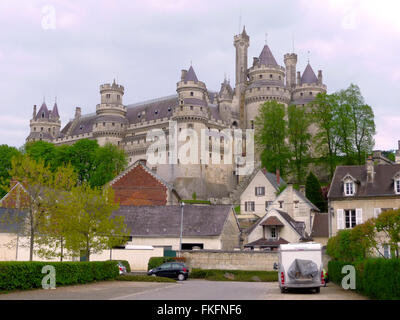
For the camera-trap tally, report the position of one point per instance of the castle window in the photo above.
(113, 124)
(155, 111)
(34, 128)
(181, 101)
(42, 114)
(41, 129)
(267, 88)
(181, 108)
(191, 94)
(277, 89)
(201, 108)
(310, 93)
(260, 76)
(280, 77)
(191, 107)
(118, 97)
(169, 109)
(252, 124)
(81, 127)
(49, 129)
(270, 76)
(301, 93)
(139, 115)
(190, 125)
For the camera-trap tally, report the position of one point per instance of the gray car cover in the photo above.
(306, 268)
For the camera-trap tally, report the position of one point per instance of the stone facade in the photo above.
(193, 107)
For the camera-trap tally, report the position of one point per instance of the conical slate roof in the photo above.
(191, 75)
(54, 113)
(43, 110)
(309, 75)
(266, 57)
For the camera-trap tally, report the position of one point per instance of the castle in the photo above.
(194, 107)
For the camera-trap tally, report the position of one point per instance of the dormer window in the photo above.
(349, 188)
(155, 111)
(397, 186)
(42, 114)
(169, 109)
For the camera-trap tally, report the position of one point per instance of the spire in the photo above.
(54, 112)
(43, 111)
(266, 57)
(244, 31)
(309, 75)
(191, 75)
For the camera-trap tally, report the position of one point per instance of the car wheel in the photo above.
(181, 277)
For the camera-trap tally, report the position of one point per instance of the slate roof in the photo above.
(299, 226)
(382, 185)
(309, 75)
(36, 135)
(320, 226)
(164, 221)
(273, 179)
(54, 112)
(10, 220)
(267, 58)
(191, 75)
(43, 109)
(262, 242)
(306, 200)
(84, 125)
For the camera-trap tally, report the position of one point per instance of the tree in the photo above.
(299, 140)
(109, 162)
(359, 120)
(83, 158)
(314, 194)
(270, 134)
(324, 110)
(363, 238)
(91, 227)
(388, 222)
(41, 150)
(6, 155)
(42, 186)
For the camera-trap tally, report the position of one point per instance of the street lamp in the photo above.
(180, 239)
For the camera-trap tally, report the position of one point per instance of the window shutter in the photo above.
(245, 206)
(358, 216)
(377, 212)
(255, 192)
(340, 220)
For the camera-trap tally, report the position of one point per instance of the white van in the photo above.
(300, 266)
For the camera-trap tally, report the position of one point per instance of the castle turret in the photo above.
(290, 64)
(308, 86)
(225, 97)
(111, 121)
(45, 125)
(241, 43)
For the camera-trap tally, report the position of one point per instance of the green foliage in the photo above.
(6, 155)
(344, 247)
(375, 278)
(234, 275)
(270, 134)
(388, 222)
(143, 278)
(299, 141)
(237, 209)
(314, 194)
(196, 201)
(28, 275)
(194, 195)
(155, 262)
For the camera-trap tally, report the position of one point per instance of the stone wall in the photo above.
(234, 260)
(230, 260)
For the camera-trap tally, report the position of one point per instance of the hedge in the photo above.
(375, 278)
(155, 262)
(234, 275)
(28, 275)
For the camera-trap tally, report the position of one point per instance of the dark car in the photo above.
(175, 270)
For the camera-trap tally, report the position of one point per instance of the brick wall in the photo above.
(139, 188)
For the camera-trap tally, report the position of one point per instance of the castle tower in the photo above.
(308, 86)
(111, 121)
(45, 124)
(225, 97)
(290, 64)
(241, 43)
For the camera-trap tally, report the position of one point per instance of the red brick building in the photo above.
(16, 198)
(139, 186)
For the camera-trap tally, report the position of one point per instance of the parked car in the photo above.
(175, 270)
(122, 268)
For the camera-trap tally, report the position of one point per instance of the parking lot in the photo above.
(185, 290)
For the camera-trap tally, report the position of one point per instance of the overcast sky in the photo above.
(67, 48)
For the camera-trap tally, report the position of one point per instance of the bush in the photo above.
(234, 275)
(375, 278)
(28, 275)
(140, 278)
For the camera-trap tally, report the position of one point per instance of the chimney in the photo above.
(34, 111)
(78, 112)
(278, 177)
(302, 189)
(370, 169)
(298, 78)
(183, 74)
(319, 76)
(397, 159)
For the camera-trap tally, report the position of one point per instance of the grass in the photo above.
(234, 275)
(197, 201)
(139, 278)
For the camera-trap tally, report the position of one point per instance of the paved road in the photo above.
(187, 290)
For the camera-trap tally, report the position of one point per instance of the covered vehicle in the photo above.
(300, 266)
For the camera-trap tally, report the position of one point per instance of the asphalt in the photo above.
(185, 290)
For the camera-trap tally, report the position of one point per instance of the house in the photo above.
(10, 225)
(205, 227)
(138, 185)
(289, 219)
(17, 197)
(358, 193)
(260, 192)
